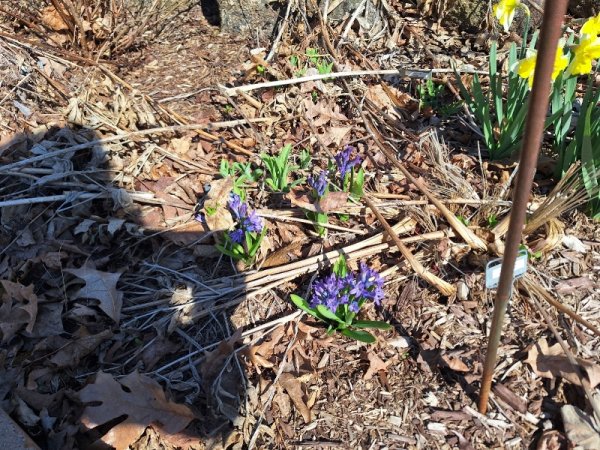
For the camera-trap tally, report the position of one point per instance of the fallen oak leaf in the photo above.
(376, 365)
(550, 362)
(18, 309)
(332, 201)
(74, 350)
(101, 286)
(293, 387)
(138, 397)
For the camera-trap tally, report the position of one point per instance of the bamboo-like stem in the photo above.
(444, 287)
(532, 286)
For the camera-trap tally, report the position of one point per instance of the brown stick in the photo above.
(530, 284)
(444, 287)
(533, 134)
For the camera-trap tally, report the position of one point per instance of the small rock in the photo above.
(462, 291)
(572, 243)
(400, 342)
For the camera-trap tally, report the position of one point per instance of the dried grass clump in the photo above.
(98, 28)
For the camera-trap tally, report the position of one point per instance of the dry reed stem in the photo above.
(532, 286)
(444, 287)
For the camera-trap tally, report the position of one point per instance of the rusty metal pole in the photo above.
(554, 12)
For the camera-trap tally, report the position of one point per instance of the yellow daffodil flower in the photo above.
(505, 11)
(526, 67)
(592, 26)
(588, 48)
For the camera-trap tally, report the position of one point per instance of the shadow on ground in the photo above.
(92, 288)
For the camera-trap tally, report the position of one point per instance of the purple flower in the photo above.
(320, 183)
(252, 223)
(343, 161)
(353, 290)
(248, 220)
(368, 285)
(237, 235)
(237, 207)
(325, 292)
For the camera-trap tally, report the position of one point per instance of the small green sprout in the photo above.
(278, 168)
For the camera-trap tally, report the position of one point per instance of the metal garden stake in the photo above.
(554, 12)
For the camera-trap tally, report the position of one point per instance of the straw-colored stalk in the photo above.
(444, 287)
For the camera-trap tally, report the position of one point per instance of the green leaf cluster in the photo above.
(278, 170)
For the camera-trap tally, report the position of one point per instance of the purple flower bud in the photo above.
(252, 223)
(320, 183)
(343, 161)
(237, 235)
(237, 207)
(368, 285)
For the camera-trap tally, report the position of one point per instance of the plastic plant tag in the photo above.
(492, 270)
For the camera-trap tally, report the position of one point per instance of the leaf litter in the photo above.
(110, 289)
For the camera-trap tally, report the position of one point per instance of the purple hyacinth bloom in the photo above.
(237, 235)
(368, 285)
(319, 184)
(325, 292)
(237, 207)
(354, 307)
(253, 223)
(343, 161)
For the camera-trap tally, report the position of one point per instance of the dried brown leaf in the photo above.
(101, 286)
(216, 215)
(454, 362)
(70, 354)
(18, 309)
(333, 201)
(550, 362)
(138, 397)
(334, 135)
(580, 428)
(293, 387)
(301, 199)
(213, 363)
(376, 365)
(284, 255)
(574, 284)
(51, 18)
